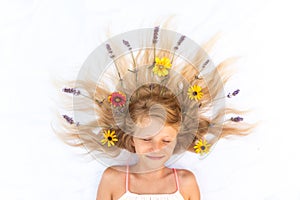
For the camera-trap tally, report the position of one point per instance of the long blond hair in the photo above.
(194, 120)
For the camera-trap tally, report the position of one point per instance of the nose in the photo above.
(156, 146)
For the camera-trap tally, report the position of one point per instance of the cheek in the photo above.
(170, 147)
(140, 147)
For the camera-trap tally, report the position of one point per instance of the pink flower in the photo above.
(117, 99)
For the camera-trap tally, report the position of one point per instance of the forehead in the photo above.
(168, 131)
(154, 128)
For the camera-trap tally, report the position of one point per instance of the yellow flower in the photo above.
(109, 138)
(202, 147)
(161, 66)
(195, 93)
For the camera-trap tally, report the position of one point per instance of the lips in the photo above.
(155, 157)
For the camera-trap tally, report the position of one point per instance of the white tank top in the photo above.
(132, 196)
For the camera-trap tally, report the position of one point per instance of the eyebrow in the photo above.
(165, 136)
(150, 136)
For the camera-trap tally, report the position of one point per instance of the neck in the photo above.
(148, 168)
(150, 174)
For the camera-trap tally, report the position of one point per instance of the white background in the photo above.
(42, 40)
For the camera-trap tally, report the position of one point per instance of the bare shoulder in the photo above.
(114, 171)
(187, 177)
(111, 177)
(188, 184)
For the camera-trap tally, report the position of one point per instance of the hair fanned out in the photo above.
(131, 88)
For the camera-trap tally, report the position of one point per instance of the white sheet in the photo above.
(41, 39)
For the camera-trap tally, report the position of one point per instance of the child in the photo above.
(141, 103)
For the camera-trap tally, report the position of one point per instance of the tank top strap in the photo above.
(127, 177)
(176, 178)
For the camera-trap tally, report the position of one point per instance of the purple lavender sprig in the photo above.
(155, 35)
(126, 43)
(179, 42)
(177, 46)
(205, 63)
(109, 50)
(233, 94)
(236, 119)
(70, 120)
(111, 55)
(73, 91)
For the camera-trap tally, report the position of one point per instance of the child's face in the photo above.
(158, 146)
